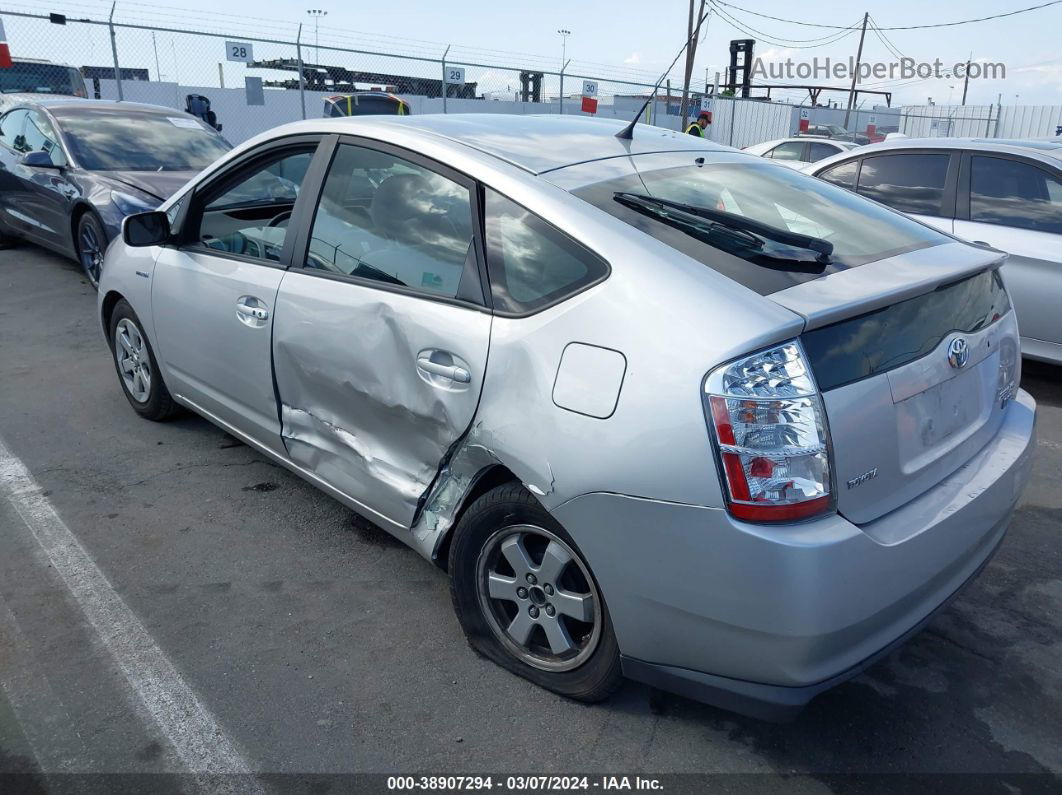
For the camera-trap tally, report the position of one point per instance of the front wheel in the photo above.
(527, 600)
(137, 371)
(91, 245)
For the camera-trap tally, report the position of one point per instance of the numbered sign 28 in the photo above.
(239, 51)
(454, 75)
(589, 88)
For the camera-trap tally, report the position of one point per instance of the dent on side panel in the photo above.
(355, 410)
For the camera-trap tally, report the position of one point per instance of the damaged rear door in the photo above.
(381, 334)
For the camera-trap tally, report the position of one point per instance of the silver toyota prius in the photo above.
(660, 409)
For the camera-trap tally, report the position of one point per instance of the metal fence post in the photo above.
(302, 78)
(733, 113)
(445, 86)
(114, 52)
(565, 66)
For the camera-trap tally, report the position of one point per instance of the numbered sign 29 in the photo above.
(239, 51)
(454, 75)
(589, 88)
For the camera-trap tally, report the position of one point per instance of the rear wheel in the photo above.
(527, 600)
(135, 362)
(91, 244)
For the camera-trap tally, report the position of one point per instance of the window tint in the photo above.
(791, 150)
(384, 218)
(843, 175)
(11, 129)
(1014, 194)
(251, 217)
(39, 136)
(821, 150)
(909, 183)
(532, 264)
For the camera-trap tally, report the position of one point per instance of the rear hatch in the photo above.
(916, 357)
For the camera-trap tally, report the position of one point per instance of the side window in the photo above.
(1014, 194)
(11, 126)
(39, 136)
(531, 263)
(251, 217)
(843, 175)
(909, 183)
(820, 150)
(384, 218)
(791, 150)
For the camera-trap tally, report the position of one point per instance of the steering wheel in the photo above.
(279, 218)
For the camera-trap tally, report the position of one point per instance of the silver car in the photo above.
(1001, 193)
(798, 152)
(659, 408)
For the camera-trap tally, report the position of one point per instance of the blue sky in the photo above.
(618, 38)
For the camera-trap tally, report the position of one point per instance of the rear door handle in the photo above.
(252, 311)
(449, 371)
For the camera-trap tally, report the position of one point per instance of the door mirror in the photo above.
(38, 160)
(146, 229)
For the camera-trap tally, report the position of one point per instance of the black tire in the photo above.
(90, 243)
(159, 404)
(506, 506)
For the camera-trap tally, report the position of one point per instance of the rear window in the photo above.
(888, 338)
(860, 231)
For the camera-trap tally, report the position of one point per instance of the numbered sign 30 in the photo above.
(454, 75)
(239, 51)
(589, 88)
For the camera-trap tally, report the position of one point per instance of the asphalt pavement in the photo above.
(170, 600)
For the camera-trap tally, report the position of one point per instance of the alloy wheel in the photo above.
(539, 598)
(90, 252)
(134, 361)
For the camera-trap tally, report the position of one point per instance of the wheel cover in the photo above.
(134, 361)
(538, 598)
(90, 252)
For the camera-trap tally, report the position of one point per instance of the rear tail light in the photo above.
(770, 433)
(1009, 370)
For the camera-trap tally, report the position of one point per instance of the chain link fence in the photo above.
(255, 82)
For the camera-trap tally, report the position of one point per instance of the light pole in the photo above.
(564, 44)
(316, 13)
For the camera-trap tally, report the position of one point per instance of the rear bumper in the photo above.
(761, 619)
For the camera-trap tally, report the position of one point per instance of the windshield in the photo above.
(836, 130)
(860, 231)
(102, 139)
(42, 78)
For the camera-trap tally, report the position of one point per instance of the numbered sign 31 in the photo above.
(239, 51)
(589, 88)
(454, 75)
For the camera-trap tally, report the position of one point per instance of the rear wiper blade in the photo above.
(823, 248)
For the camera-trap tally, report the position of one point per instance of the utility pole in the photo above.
(564, 34)
(855, 73)
(966, 79)
(316, 13)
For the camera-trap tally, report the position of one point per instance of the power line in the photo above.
(898, 27)
(780, 41)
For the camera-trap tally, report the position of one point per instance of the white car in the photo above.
(798, 152)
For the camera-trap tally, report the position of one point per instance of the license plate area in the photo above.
(937, 420)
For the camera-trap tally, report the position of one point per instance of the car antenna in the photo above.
(627, 133)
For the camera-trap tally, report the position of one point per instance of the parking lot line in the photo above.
(197, 738)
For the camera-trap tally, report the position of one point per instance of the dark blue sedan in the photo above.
(72, 169)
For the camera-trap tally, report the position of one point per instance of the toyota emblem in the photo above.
(958, 353)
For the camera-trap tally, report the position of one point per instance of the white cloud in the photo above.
(634, 57)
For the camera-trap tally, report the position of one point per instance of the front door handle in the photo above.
(449, 371)
(252, 311)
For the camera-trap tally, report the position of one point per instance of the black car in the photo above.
(72, 169)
